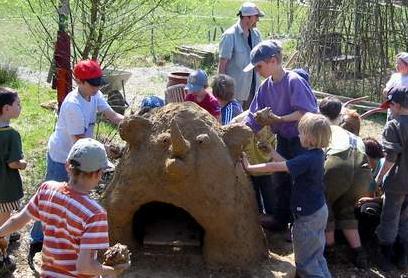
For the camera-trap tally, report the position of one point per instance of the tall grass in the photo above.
(8, 74)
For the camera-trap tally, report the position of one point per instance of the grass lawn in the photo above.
(17, 46)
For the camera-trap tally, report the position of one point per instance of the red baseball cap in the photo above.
(89, 71)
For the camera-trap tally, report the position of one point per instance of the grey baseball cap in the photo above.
(262, 51)
(250, 9)
(90, 155)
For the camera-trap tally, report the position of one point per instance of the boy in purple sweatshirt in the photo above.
(289, 96)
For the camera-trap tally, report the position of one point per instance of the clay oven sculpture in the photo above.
(180, 155)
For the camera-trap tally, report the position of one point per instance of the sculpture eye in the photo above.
(203, 139)
(164, 139)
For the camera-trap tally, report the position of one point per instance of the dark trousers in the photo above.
(264, 191)
(287, 148)
(247, 103)
(368, 215)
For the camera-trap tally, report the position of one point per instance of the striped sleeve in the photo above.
(228, 114)
(32, 206)
(95, 235)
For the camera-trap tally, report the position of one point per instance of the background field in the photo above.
(18, 47)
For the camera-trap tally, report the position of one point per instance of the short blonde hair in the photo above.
(316, 129)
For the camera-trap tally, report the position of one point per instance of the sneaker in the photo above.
(360, 258)
(35, 248)
(9, 265)
(383, 258)
(14, 237)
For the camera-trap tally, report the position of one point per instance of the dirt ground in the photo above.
(279, 262)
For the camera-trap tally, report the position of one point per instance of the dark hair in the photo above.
(75, 171)
(223, 87)
(330, 107)
(7, 97)
(373, 148)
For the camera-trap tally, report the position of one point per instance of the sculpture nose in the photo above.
(179, 145)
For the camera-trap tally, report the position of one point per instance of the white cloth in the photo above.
(397, 79)
(342, 140)
(77, 116)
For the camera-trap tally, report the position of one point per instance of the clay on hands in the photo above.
(116, 255)
(266, 117)
(264, 147)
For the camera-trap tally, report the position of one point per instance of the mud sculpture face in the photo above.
(177, 144)
(180, 155)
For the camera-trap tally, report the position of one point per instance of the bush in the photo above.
(8, 74)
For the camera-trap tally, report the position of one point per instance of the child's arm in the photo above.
(15, 223)
(264, 167)
(18, 164)
(112, 116)
(86, 264)
(384, 170)
(276, 157)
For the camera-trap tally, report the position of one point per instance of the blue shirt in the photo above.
(307, 171)
(229, 111)
(235, 48)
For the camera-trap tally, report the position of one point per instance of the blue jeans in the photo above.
(394, 219)
(55, 171)
(308, 244)
(287, 148)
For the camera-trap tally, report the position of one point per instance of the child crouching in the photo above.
(308, 203)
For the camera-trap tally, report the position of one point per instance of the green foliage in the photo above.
(8, 74)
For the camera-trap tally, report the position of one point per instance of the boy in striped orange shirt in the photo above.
(75, 226)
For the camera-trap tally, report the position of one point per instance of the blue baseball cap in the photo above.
(197, 80)
(262, 51)
(151, 102)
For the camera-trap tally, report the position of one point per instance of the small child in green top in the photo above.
(11, 161)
